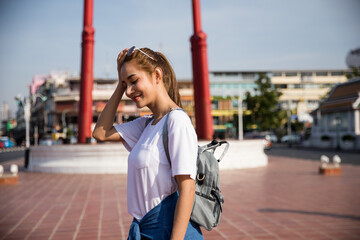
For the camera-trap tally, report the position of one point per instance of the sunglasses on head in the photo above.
(133, 49)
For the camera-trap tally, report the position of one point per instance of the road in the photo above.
(281, 150)
(11, 154)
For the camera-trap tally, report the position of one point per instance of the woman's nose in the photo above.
(129, 90)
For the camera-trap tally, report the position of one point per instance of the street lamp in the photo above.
(241, 132)
(26, 102)
(27, 116)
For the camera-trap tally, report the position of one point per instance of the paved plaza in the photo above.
(288, 199)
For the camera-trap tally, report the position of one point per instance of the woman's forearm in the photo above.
(106, 119)
(183, 208)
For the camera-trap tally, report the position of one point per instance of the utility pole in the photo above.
(27, 118)
(86, 85)
(289, 124)
(204, 121)
(241, 132)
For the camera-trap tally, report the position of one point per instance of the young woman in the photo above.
(160, 193)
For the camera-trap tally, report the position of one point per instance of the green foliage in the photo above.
(325, 138)
(348, 137)
(355, 73)
(264, 105)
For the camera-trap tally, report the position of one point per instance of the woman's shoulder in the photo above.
(178, 113)
(179, 116)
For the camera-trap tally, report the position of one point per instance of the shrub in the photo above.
(348, 137)
(325, 138)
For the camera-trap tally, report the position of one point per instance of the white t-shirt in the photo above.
(150, 178)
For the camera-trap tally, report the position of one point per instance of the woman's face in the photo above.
(140, 85)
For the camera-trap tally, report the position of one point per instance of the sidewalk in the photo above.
(288, 199)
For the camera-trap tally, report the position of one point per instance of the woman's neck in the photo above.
(161, 108)
(162, 104)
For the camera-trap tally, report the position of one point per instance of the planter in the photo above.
(348, 145)
(325, 144)
(307, 143)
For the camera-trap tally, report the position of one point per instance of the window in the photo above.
(235, 103)
(214, 104)
(231, 73)
(306, 74)
(326, 85)
(337, 73)
(248, 75)
(311, 86)
(291, 74)
(281, 86)
(321, 74)
(277, 74)
(216, 120)
(218, 73)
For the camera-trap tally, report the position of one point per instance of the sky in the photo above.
(38, 37)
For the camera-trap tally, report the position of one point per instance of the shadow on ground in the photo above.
(325, 214)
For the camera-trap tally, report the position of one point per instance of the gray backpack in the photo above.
(208, 199)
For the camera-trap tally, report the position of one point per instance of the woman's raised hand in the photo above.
(120, 60)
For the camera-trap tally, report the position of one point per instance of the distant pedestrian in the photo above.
(159, 196)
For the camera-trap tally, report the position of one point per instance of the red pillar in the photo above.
(204, 121)
(86, 85)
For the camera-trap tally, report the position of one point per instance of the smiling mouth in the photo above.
(136, 98)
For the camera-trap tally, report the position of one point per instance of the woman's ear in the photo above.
(158, 75)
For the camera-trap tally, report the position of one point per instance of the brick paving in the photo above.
(288, 199)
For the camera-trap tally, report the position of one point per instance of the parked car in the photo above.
(46, 141)
(260, 135)
(293, 138)
(272, 137)
(6, 143)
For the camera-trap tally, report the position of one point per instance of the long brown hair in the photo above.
(149, 65)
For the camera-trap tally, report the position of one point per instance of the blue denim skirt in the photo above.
(158, 222)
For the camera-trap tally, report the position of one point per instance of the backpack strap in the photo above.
(166, 136)
(148, 121)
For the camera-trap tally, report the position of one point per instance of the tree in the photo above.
(264, 105)
(355, 72)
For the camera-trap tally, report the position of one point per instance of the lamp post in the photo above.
(241, 132)
(27, 116)
(26, 103)
(289, 124)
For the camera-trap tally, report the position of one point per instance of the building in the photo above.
(4, 117)
(227, 90)
(55, 98)
(337, 120)
(302, 91)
